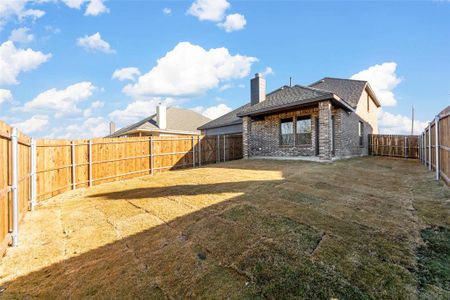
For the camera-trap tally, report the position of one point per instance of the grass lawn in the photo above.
(365, 228)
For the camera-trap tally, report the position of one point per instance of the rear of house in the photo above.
(330, 118)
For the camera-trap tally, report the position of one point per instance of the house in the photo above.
(166, 121)
(329, 118)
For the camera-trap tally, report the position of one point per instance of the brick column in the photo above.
(246, 129)
(325, 130)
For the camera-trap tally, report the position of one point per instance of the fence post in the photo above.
(218, 150)
(90, 162)
(74, 180)
(429, 146)
(14, 188)
(33, 174)
(224, 148)
(200, 150)
(152, 157)
(424, 144)
(405, 150)
(193, 151)
(436, 127)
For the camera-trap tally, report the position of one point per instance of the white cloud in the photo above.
(16, 9)
(190, 70)
(267, 71)
(95, 43)
(209, 10)
(398, 124)
(95, 8)
(94, 105)
(167, 11)
(233, 22)
(14, 61)
(228, 86)
(213, 112)
(126, 74)
(5, 96)
(74, 3)
(140, 109)
(34, 124)
(21, 35)
(62, 102)
(383, 80)
(94, 127)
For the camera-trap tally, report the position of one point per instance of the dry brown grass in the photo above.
(357, 228)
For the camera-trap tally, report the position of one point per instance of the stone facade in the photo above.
(261, 136)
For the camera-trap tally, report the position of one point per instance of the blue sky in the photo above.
(201, 55)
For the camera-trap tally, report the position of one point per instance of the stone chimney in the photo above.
(257, 89)
(112, 127)
(161, 116)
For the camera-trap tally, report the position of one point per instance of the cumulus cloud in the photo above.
(94, 105)
(14, 61)
(93, 8)
(209, 10)
(267, 71)
(167, 11)
(190, 70)
(5, 96)
(398, 124)
(35, 124)
(62, 102)
(17, 9)
(213, 112)
(126, 74)
(93, 127)
(383, 80)
(21, 35)
(95, 43)
(233, 22)
(140, 109)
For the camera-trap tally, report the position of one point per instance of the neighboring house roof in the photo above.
(348, 89)
(342, 92)
(179, 120)
(228, 119)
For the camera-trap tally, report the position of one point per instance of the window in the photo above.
(303, 131)
(361, 133)
(287, 132)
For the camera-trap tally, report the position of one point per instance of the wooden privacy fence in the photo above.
(406, 146)
(35, 170)
(435, 146)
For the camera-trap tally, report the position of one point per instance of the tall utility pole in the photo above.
(412, 120)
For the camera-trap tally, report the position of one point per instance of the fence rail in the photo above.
(406, 146)
(435, 146)
(35, 170)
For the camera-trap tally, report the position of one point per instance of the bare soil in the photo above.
(365, 228)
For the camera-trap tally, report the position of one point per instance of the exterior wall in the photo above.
(231, 129)
(347, 134)
(264, 135)
(246, 131)
(369, 115)
(325, 130)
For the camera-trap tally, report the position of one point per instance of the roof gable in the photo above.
(286, 96)
(347, 89)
